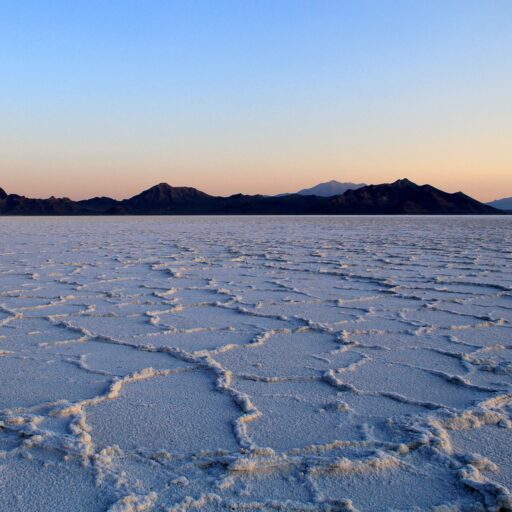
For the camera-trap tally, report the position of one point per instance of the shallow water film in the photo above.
(229, 363)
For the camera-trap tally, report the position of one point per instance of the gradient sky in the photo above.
(112, 96)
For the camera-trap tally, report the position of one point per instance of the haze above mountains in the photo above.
(331, 198)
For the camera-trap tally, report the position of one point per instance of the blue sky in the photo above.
(108, 97)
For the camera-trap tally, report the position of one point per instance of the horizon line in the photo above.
(117, 198)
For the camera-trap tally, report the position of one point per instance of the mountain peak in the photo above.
(3, 193)
(159, 188)
(404, 182)
(162, 186)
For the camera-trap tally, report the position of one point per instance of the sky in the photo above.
(109, 97)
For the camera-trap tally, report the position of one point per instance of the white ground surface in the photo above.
(255, 364)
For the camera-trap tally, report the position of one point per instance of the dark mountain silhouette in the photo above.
(14, 204)
(405, 197)
(98, 204)
(400, 197)
(3, 193)
(163, 199)
(502, 204)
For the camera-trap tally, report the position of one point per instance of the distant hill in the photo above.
(163, 198)
(327, 189)
(330, 188)
(400, 197)
(502, 204)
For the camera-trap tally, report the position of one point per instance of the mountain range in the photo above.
(400, 197)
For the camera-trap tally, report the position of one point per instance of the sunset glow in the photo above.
(109, 98)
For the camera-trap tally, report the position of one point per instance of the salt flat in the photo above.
(228, 363)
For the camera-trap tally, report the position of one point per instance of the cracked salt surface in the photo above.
(172, 364)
